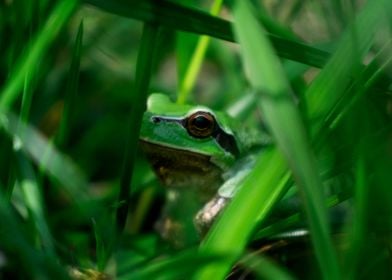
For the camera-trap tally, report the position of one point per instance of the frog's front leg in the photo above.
(207, 215)
(212, 209)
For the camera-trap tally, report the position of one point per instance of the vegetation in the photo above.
(78, 198)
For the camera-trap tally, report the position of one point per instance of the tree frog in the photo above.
(199, 156)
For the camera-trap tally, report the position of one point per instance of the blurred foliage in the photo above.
(71, 96)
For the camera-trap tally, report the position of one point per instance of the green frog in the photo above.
(201, 156)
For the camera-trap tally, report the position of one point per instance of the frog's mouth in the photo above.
(177, 168)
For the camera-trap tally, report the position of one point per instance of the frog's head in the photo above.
(195, 129)
(177, 136)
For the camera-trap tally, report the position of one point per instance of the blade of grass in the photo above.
(264, 268)
(46, 156)
(72, 89)
(179, 266)
(271, 24)
(196, 61)
(359, 225)
(27, 95)
(34, 203)
(370, 75)
(294, 219)
(186, 19)
(329, 85)
(144, 64)
(14, 239)
(100, 248)
(263, 187)
(338, 63)
(40, 44)
(240, 109)
(280, 226)
(284, 120)
(142, 208)
(26, 175)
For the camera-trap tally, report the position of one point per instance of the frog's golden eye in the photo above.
(200, 124)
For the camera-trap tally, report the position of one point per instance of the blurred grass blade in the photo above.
(264, 186)
(72, 89)
(33, 198)
(357, 235)
(264, 268)
(293, 220)
(329, 85)
(27, 62)
(101, 253)
(27, 94)
(46, 156)
(279, 226)
(247, 103)
(169, 14)
(267, 77)
(188, 81)
(27, 180)
(180, 266)
(147, 51)
(141, 209)
(14, 239)
(271, 24)
(369, 76)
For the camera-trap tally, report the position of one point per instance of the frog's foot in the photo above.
(171, 231)
(207, 215)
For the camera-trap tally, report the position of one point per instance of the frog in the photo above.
(200, 156)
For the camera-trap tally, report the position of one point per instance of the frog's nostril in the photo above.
(155, 119)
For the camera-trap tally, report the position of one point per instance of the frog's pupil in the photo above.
(201, 122)
(200, 125)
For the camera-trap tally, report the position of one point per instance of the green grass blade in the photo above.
(72, 88)
(100, 248)
(264, 268)
(34, 203)
(294, 219)
(329, 85)
(46, 156)
(359, 225)
(14, 239)
(179, 266)
(26, 175)
(264, 186)
(369, 76)
(144, 65)
(267, 76)
(188, 82)
(27, 95)
(169, 14)
(271, 24)
(27, 62)
(280, 226)
(141, 209)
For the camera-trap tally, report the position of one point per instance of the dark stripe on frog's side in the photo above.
(224, 139)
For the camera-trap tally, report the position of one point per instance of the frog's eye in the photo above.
(200, 124)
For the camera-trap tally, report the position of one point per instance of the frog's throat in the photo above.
(178, 168)
(163, 147)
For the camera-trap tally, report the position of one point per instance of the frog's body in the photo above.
(191, 148)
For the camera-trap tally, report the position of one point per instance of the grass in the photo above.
(79, 198)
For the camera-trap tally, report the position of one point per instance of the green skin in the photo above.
(192, 168)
